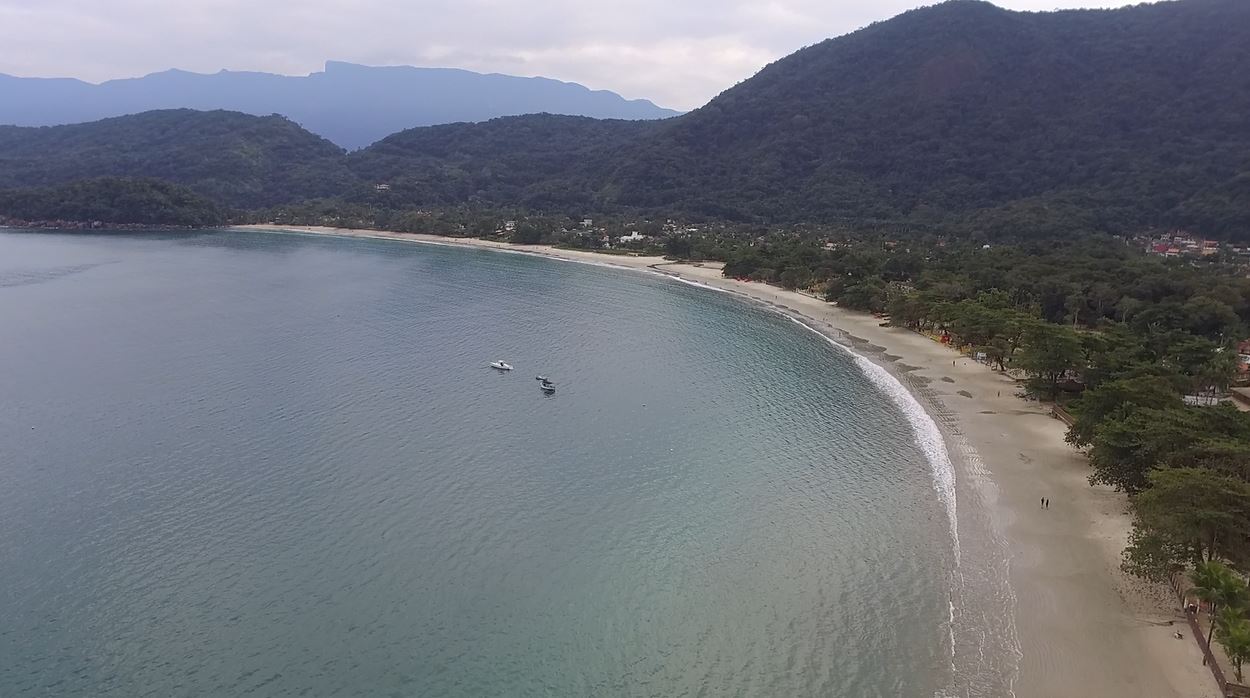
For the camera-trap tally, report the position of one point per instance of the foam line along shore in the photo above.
(1084, 628)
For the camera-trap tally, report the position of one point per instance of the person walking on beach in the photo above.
(1043, 504)
(1046, 503)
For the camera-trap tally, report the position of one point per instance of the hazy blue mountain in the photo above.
(351, 105)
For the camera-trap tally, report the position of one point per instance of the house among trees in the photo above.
(1182, 244)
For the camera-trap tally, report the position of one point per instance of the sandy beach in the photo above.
(1083, 627)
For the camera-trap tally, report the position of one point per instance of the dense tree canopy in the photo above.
(1189, 515)
(961, 115)
(112, 200)
(235, 159)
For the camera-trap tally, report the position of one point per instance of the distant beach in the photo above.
(1084, 628)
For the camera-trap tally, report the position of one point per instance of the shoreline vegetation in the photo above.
(1085, 625)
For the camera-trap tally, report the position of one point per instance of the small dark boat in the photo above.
(546, 386)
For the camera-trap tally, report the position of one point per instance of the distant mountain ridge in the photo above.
(350, 105)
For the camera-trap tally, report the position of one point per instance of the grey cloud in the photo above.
(678, 53)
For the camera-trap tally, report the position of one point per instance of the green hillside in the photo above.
(535, 161)
(962, 107)
(112, 200)
(961, 114)
(235, 159)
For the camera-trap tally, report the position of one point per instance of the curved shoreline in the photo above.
(984, 647)
(1083, 627)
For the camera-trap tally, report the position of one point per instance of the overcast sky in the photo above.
(678, 53)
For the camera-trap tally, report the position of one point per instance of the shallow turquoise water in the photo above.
(275, 465)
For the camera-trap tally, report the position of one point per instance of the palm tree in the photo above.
(1228, 617)
(1236, 640)
(1219, 587)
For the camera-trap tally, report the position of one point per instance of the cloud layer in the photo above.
(678, 53)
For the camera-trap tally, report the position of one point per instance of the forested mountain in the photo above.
(235, 159)
(957, 113)
(964, 106)
(538, 161)
(961, 117)
(351, 105)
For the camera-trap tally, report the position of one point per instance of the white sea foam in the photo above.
(996, 627)
(926, 431)
(928, 437)
(936, 450)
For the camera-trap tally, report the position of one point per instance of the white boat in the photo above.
(547, 387)
(501, 366)
(542, 379)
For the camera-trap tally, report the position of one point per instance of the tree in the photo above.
(867, 295)
(907, 310)
(1204, 362)
(1216, 374)
(1048, 353)
(1234, 612)
(1116, 352)
(677, 247)
(1208, 317)
(113, 200)
(794, 277)
(1235, 636)
(1151, 555)
(1222, 590)
(527, 233)
(1130, 441)
(1096, 405)
(1188, 516)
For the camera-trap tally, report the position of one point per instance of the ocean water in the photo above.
(277, 465)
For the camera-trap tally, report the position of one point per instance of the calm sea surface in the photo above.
(274, 465)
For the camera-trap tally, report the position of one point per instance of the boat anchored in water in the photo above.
(501, 366)
(546, 385)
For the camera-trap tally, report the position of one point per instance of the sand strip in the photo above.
(1084, 628)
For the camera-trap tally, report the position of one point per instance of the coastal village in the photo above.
(1181, 244)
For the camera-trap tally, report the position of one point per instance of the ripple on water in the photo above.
(295, 475)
